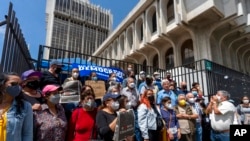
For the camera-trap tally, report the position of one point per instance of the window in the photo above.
(154, 23)
(169, 58)
(170, 10)
(155, 62)
(187, 52)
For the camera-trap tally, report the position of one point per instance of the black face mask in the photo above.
(148, 81)
(58, 70)
(34, 85)
(151, 99)
(184, 87)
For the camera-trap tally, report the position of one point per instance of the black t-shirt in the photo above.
(48, 78)
(103, 119)
(33, 100)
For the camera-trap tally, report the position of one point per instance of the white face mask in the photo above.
(219, 98)
(168, 106)
(115, 105)
(75, 75)
(129, 69)
(245, 101)
(113, 79)
(116, 93)
(128, 105)
(191, 100)
(131, 85)
(142, 75)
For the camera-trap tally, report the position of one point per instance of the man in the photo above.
(186, 115)
(74, 75)
(221, 115)
(148, 84)
(191, 100)
(166, 92)
(168, 76)
(141, 78)
(157, 80)
(183, 87)
(52, 75)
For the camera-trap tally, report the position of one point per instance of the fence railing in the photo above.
(15, 54)
(211, 76)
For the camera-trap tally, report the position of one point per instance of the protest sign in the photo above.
(101, 72)
(125, 125)
(71, 92)
(98, 87)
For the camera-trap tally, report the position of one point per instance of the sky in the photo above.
(31, 17)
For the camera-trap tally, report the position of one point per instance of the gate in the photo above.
(15, 54)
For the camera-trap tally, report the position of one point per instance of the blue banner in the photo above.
(102, 72)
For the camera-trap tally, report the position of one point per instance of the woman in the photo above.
(30, 84)
(147, 117)
(93, 76)
(74, 75)
(50, 122)
(106, 117)
(169, 116)
(124, 103)
(82, 121)
(15, 113)
(243, 110)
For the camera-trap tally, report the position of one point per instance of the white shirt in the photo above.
(225, 119)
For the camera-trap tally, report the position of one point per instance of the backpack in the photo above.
(191, 122)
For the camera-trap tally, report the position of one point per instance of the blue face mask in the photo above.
(94, 78)
(194, 93)
(13, 91)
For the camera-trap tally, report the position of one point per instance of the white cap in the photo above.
(142, 72)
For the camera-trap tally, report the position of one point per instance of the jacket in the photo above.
(146, 120)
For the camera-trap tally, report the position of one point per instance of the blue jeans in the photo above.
(198, 132)
(138, 136)
(219, 136)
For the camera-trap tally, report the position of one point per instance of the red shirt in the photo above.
(81, 125)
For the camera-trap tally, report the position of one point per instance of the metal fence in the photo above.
(211, 76)
(15, 54)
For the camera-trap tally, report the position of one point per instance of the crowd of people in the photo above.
(36, 106)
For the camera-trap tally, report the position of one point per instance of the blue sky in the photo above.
(31, 17)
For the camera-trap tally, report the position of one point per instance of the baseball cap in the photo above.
(50, 88)
(55, 62)
(142, 72)
(109, 95)
(29, 73)
(156, 73)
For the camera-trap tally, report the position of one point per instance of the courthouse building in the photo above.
(75, 25)
(171, 33)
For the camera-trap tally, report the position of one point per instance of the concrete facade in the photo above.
(75, 25)
(170, 33)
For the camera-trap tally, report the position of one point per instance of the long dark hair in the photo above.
(4, 77)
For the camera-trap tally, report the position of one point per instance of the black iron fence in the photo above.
(15, 54)
(211, 76)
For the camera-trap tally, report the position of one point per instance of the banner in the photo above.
(71, 92)
(125, 127)
(102, 72)
(98, 87)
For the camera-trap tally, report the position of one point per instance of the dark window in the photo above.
(154, 23)
(169, 58)
(155, 62)
(170, 10)
(187, 53)
(141, 37)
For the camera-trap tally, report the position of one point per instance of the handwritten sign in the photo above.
(125, 125)
(98, 86)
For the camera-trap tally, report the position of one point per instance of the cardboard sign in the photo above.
(125, 125)
(98, 86)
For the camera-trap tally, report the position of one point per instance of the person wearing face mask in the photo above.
(50, 123)
(169, 116)
(148, 85)
(31, 91)
(106, 117)
(93, 76)
(74, 76)
(82, 121)
(147, 117)
(141, 79)
(157, 80)
(187, 116)
(111, 81)
(243, 110)
(221, 115)
(52, 75)
(15, 113)
(183, 87)
(192, 102)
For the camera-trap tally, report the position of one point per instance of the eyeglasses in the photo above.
(14, 83)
